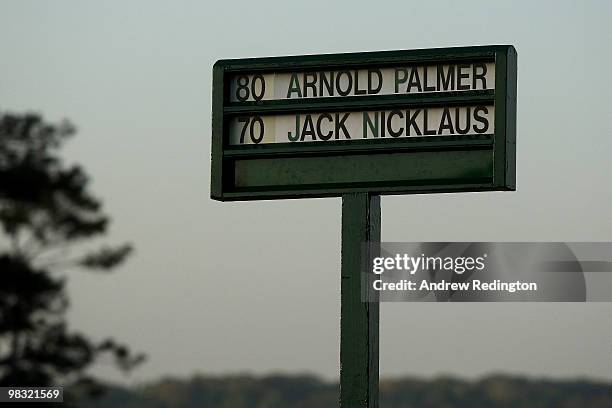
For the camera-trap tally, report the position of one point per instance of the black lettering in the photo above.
(242, 88)
(414, 80)
(347, 91)
(468, 116)
(461, 76)
(259, 121)
(411, 122)
(481, 76)
(426, 87)
(329, 83)
(383, 129)
(357, 90)
(340, 125)
(262, 88)
(399, 80)
(446, 123)
(246, 121)
(294, 138)
(310, 81)
(446, 82)
(372, 90)
(294, 86)
(329, 134)
(390, 119)
(308, 129)
(367, 124)
(481, 119)
(426, 131)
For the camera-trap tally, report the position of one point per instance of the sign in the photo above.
(398, 122)
(357, 126)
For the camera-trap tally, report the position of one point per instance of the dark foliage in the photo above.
(309, 392)
(48, 216)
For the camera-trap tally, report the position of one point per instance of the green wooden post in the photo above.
(358, 319)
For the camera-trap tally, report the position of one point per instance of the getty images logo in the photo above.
(412, 264)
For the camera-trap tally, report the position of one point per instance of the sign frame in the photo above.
(501, 144)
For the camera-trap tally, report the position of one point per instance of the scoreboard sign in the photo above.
(396, 122)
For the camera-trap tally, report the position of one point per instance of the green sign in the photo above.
(358, 126)
(392, 122)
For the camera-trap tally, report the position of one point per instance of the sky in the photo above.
(220, 288)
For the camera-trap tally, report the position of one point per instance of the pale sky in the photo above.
(254, 287)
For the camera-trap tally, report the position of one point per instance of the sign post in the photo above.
(358, 126)
(358, 319)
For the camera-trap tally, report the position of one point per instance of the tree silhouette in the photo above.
(48, 216)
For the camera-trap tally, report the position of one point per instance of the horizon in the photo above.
(135, 79)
